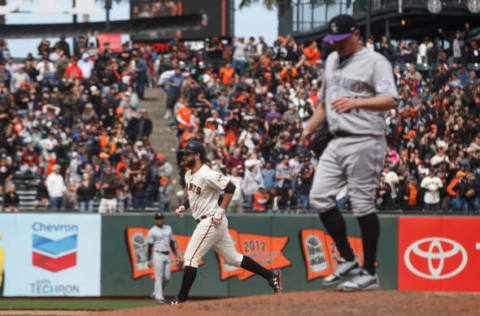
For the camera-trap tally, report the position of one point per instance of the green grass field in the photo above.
(72, 304)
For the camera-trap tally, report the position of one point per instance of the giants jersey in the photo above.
(366, 74)
(203, 190)
(160, 237)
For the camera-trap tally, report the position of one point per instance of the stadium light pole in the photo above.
(108, 6)
(367, 26)
(74, 4)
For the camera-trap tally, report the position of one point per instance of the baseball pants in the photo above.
(206, 236)
(352, 161)
(108, 206)
(161, 269)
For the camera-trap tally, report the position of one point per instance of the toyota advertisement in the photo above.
(50, 255)
(217, 17)
(439, 254)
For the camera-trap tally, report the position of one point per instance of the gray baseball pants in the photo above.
(355, 161)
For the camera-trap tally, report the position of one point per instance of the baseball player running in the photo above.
(203, 188)
(357, 89)
(160, 241)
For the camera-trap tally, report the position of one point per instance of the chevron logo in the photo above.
(54, 255)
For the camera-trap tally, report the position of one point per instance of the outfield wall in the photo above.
(105, 255)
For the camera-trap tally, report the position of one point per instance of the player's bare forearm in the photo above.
(379, 103)
(317, 119)
(227, 197)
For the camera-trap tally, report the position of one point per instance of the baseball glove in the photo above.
(470, 194)
(318, 140)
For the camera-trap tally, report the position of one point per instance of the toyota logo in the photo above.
(435, 252)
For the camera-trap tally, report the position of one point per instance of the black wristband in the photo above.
(186, 204)
(149, 251)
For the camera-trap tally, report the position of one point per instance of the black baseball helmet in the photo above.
(195, 147)
(159, 215)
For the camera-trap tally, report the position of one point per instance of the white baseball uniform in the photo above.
(204, 188)
(160, 237)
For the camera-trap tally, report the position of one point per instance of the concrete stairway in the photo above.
(163, 138)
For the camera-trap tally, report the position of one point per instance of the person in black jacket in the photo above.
(86, 195)
(11, 200)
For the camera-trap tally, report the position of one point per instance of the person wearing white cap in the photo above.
(86, 65)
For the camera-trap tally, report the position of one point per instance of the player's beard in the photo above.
(189, 163)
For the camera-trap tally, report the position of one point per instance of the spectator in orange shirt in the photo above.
(312, 53)
(226, 73)
(183, 116)
(73, 71)
(260, 199)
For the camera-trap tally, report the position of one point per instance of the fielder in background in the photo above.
(203, 188)
(357, 91)
(160, 241)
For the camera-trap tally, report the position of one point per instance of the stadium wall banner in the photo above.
(137, 246)
(277, 242)
(266, 250)
(51, 254)
(216, 15)
(439, 254)
(320, 253)
(115, 41)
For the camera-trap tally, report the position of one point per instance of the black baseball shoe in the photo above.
(276, 281)
(344, 269)
(176, 301)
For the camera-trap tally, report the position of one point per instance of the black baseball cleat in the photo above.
(176, 301)
(276, 281)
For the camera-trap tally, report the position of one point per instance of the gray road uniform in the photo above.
(161, 240)
(355, 156)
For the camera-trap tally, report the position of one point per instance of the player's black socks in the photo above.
(335, 225)
(188, 277)
(252, 266)
(370, 228)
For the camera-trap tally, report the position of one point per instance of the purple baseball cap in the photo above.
(340, 28)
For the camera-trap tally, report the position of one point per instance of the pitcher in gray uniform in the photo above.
(357, 90)
(160, 241)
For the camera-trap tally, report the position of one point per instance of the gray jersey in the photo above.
(160, 238)
(366, 74)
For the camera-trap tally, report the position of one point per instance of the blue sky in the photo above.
(251, 21)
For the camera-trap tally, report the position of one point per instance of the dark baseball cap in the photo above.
(340, 28)
(159, 215)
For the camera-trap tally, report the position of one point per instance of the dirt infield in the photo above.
(377, 303)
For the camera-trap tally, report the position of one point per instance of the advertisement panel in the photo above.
(439, 254)
(215, 17)
(51, 254)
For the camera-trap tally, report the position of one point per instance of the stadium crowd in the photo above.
(73, 124)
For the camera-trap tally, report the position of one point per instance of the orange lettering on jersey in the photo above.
(192, 187)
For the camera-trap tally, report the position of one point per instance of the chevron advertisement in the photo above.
(52, 255)
(439, 254)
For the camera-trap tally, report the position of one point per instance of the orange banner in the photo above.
(321, 254)
(137, 246)
(266, 250)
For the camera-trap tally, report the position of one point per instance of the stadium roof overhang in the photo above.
(184, 22)
(417, 24)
